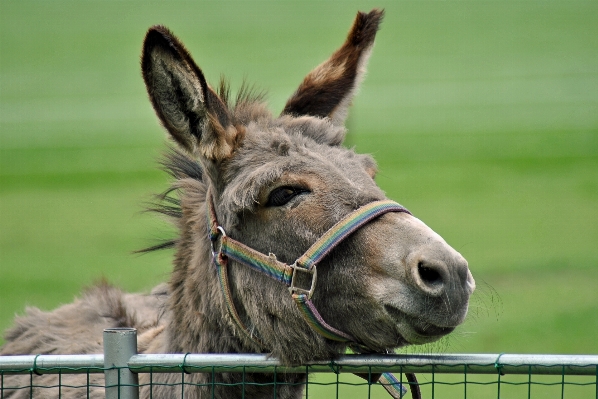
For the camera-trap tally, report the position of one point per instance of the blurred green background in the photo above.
(482, 115)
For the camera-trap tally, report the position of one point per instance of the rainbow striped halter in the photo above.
(224, 248)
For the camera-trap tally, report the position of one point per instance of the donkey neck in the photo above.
(199, 319)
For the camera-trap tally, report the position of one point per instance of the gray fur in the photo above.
(392, 283)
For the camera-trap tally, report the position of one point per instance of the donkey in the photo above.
(258, 201)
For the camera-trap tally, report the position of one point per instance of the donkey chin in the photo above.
(415, 331)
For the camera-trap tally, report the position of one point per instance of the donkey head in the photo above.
(278, 184)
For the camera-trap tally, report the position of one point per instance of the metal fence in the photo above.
(121, 373)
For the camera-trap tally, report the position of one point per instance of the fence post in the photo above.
(119, 345)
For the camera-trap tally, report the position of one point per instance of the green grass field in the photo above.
(482, 115)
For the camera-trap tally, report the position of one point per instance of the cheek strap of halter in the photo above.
(224, 247)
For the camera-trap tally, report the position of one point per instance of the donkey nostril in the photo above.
(429, 275)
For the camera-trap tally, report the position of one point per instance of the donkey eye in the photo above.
(281, 195)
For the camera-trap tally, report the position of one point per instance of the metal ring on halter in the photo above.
(313, 272)
(222, 234)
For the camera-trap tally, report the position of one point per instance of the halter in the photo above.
(224, 247)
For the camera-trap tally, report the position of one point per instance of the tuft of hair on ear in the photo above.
(364, 29)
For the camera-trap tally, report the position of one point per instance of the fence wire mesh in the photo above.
(246, 376)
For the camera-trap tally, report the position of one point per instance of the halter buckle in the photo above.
(314, 277)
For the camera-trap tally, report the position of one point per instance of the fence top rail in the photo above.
(437, 363)
(52, 364)
(190, 363)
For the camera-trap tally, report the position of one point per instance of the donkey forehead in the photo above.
(271, 153)
(321, 130)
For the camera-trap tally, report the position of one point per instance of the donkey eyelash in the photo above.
(282, 195)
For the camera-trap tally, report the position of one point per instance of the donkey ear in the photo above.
(194, 115)
(327, 91)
